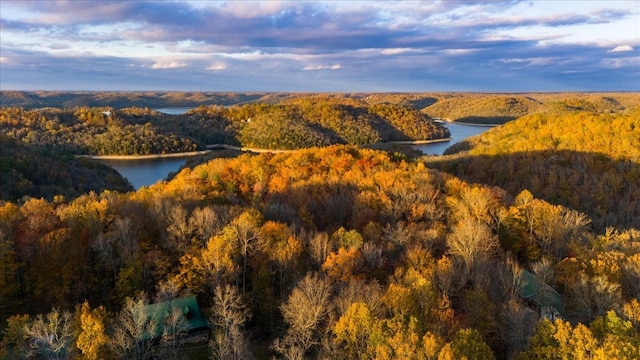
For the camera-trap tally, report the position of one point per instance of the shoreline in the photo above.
(213, 147)
(144, 157)
(447, 121)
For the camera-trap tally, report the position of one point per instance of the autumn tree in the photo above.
(468, 343)
(92, 340)
(14, 337)
(352, 330)
(211, 266)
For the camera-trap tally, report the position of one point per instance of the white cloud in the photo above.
(621, 48)
(395, 51)
(217, 67)
(322, 67)
(168, 65)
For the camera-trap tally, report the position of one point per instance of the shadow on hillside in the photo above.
(607, 190)
(323, 206)
(486, 119)
(419, 104)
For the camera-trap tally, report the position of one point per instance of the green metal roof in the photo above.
(158, 312)
(542, 295)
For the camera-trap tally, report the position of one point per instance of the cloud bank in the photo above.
(320, 46)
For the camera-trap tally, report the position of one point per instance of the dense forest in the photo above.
(524, 244)
(587, 161)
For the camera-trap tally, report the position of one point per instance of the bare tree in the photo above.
(229, 315)
(206, 223)
(178, 228)
(175, 327)
(126, 242)
(304, 311)
(593, 297)
(319, 248)
(555, 226)
(543, 271)
(51, 337)
(167, 290)
(134, 331)
(631, 276)
(470, 240)
(246, 229)
(357, 290)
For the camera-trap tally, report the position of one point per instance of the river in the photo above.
(149, 171)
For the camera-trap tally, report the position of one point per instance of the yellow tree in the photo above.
(468, 344)
(353, 328)
(211, 267)
(92, 339)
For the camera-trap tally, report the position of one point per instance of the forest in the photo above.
(522, 243)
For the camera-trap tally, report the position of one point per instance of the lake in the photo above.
(145, 172)
(459, 132)
(173, 110)
(149, 171)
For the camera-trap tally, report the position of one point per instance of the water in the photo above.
(459, 132)
(173, 110)
(145, 172)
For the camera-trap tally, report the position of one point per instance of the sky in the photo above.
(320, 46)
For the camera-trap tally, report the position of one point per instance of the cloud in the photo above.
(168, 65)
(322, 67)
(383, 45)
(630, 62)
(217, 67)
(621, 48)
(396, 51)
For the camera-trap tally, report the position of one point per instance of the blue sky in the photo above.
(345, 46)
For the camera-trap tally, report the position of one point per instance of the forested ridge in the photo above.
(335, 252)
(587, 161)
(36, 172)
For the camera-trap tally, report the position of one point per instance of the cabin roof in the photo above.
(158, 312)
(542, 294)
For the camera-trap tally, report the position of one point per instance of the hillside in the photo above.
(349, 241)
(31, 171)
(584, 160)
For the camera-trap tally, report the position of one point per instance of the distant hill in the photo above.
(496, 108)
(500, 108)
(35, 99)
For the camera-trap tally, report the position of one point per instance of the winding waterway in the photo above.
(459, 132)
(146, 172)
